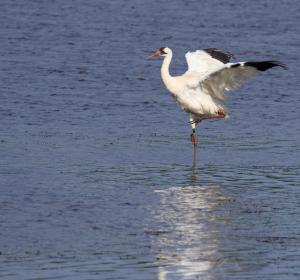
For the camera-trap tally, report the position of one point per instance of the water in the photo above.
(97, 179)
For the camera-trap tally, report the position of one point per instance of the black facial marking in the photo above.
(161, 49)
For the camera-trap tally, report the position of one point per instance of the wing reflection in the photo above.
(189, 244)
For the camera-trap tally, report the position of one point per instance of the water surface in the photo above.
(97, 175)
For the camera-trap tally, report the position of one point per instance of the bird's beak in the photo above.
(154, 54)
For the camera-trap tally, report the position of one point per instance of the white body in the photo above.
(186, 89)
(200, 91)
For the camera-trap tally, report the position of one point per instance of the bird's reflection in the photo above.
(189, 243)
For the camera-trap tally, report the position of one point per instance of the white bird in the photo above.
(200, 91)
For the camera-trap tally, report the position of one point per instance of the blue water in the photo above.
(97, 179)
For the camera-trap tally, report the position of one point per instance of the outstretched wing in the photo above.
(232, 75)
(206, 60)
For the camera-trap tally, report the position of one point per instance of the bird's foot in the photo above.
(221, 113)
(194, 137)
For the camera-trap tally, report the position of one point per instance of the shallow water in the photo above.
(97, 175)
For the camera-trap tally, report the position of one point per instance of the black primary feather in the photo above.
(219, 54)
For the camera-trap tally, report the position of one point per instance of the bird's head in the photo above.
(162, 51)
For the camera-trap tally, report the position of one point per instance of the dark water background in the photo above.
(96, 167)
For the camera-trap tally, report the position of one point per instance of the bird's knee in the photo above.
(192, 123)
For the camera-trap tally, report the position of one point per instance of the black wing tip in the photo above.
(265, 65)
(218, 54)
(280, 64)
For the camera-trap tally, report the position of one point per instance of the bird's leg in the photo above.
(194, 137)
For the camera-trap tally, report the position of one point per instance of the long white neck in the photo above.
(165, 73)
